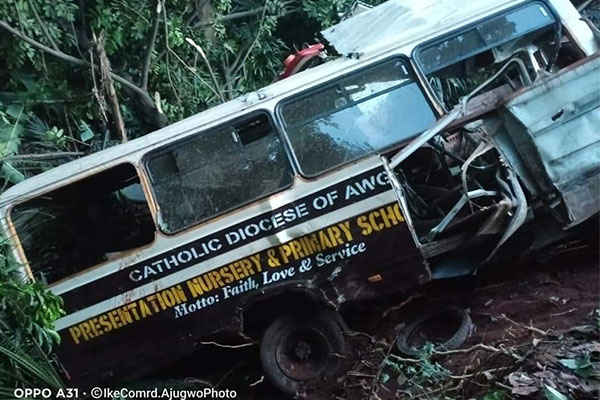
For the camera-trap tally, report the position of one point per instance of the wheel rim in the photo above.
(303, 353)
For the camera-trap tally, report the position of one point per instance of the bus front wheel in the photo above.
(299, 348)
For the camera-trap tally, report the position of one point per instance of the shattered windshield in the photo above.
(486, 35)
(217, 171)
(356, 116)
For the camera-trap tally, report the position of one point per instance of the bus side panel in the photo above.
(361, 256)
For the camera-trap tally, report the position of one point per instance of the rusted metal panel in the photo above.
(554, 128)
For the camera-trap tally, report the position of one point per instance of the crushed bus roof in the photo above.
(402, 21)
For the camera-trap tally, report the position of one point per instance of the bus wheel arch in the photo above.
(303, 348)
(258, 311)
(301, 338)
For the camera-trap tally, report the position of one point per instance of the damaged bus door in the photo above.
(465, 190)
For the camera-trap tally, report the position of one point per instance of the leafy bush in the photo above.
(27, 314)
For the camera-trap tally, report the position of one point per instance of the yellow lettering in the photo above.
(226, 275)
(86, 331)
(144, 309)
(179, 294)
(75, 333)
(107, 326)
(285, 252)
(325, 243)
(256, 260)
(376, 225)
(345, 227)
(362, 223)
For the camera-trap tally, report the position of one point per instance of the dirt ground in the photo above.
(532, 314)
(513, 307)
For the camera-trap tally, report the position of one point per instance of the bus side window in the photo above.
(351, 117)
(84, 223)
(217, 171)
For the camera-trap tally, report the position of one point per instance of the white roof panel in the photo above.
(398, 22)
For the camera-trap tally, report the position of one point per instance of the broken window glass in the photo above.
(484, 36)
(356, 116)
(217, 171)
(84, 223)
(458, 64)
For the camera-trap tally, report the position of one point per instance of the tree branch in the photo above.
(150, 48)
(73, 60)
(109, 87)
(42, 25)
(45, 156)
(241, 14)
(168, 47)
(247, 54)
(210, 70)
(229, 17)
(34, 43)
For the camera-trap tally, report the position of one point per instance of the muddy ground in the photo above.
(532, 314)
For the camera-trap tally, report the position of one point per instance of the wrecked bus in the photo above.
(450, 136)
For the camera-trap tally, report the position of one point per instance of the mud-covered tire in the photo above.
(288, 338)
(454, 342)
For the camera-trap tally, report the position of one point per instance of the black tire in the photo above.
(454, 342)
(302, 347)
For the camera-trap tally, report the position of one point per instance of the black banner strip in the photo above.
(365, 185)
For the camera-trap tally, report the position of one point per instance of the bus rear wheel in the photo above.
(299, 348)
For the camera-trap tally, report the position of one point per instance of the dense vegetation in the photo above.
(77, 76)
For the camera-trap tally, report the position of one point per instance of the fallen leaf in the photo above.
(553, 394)
(384, 378)
(520, 379)
(569, 363)
(401, 379)
(525, 390)
(544, 374)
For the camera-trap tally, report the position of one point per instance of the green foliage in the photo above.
(27, 314)
(412, 377)
(553, 394)
(10, 140)
(25, 366)
(581, 365)
(325, 11)
(29, 309)
(495, 395)
(242, 53)
(21, 132)
(328, 12)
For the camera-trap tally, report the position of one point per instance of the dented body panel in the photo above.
(543, 143)
(554, 126)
